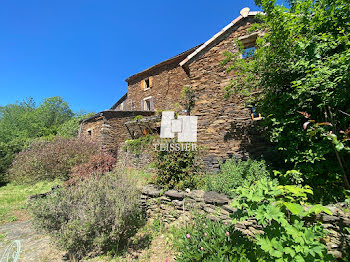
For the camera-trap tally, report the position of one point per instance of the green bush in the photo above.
(8, 152)
(280, 210)
(205, 240)
(178, 169)
(48, 160)
(96, 216)
(234, 173)
(137, 146)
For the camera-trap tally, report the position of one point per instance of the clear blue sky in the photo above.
(83, 50)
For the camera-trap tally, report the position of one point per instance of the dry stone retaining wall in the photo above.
(169, 205)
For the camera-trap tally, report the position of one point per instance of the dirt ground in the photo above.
(149, 244)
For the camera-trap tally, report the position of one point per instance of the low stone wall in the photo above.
(169, 205)
(127, 159)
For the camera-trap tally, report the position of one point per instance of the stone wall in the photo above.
(171, 204)
(141, 161)
(225, 126)
(168, 81)
(109, 129)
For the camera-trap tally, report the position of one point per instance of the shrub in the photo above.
(98, 165)
(205, 240)
(279, 212)
(138, 145)
(98, 215)
(48, 160)
(178, 169)
(234, 173)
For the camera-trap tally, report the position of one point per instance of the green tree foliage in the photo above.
(70, 128)
(302, 64)
(24, 122)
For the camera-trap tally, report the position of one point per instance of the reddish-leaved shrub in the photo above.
(48, 160)
(98, 165)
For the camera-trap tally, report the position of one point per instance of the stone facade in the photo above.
(109, 129)
(170, 205)
(168, 81)
(225, 126)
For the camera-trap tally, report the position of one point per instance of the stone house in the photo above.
(225, 126)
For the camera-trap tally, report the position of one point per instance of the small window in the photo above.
(147, 83)
(248, 52)
(147, 104)
(89, 132)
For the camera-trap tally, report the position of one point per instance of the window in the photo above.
(248, 52)
(89, 132)
(147, 104)
(249, 44)
(147, 83)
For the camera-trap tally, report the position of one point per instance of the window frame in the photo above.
(144, 103)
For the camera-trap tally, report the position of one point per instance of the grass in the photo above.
(13, 199)
(142, 177)
(151, 243)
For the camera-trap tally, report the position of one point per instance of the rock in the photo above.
(165, 199)
(255, 231)
(178, 203)
(215, 198)
(209, 210)
(328, 218)
(336, 254)
(346, 221)
(239, 225)
(229, 209)
(175, 194)
(213, 218)
(196, 194)
(151, 190)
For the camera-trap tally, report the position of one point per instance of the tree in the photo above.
(23, 122)
(302, 64)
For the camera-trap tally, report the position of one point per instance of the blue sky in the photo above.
(83, 50)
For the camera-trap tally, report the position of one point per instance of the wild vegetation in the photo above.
(13, 199)
(178, 169)
(78, 219)
(23, 123)
(49, 160)
(234, 173)
(300, 71)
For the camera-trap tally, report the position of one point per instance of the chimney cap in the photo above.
(245, 11)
